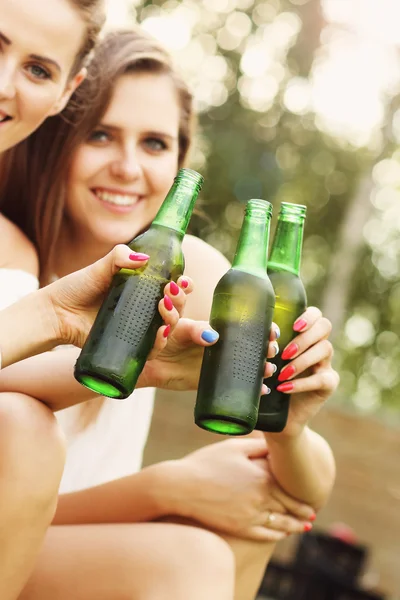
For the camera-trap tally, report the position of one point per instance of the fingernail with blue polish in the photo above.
(209, 336)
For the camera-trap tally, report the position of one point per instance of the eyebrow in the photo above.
(154, 133)
(5, 39)
(44, 59)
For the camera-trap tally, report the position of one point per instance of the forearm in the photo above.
(143, 496)
(303, 466)
(47, 377)
(26, 329)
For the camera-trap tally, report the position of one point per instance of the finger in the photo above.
(186, 283)
(273, 349)
(160, 341)
(292, 506)
(275, 332)
(320, 330)
(307, 319)
(321, 351)
(168, 312)
(269, 369)
(325, 381)
(120, 257)
(259, 533)
(190, 331)
(285, 523)
(176, 295)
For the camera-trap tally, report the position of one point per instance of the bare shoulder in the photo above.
(16, 250)
(205, 265)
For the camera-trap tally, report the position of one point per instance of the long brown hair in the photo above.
(33, 175)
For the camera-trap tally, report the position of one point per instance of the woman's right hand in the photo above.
(73, 301)
(227, 486)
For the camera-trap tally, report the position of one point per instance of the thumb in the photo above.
(253, 447)
(200, 333)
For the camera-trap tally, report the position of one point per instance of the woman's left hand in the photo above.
(309, 377)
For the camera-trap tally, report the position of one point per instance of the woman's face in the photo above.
(39, 41)
(122, 173)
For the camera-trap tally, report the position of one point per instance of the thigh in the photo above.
(251, 559)
(122, 562)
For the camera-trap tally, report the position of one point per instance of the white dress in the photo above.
(110, 447)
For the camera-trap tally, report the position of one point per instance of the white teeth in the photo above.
(118, 199)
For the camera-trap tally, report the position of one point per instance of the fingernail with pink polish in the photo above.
(285, 387)
(174, 289)
(307, 527)
(168, 303)
(139, 256)
(184, 283)
(290, 351)
(166, 331)
(299, 325)
(286, 373)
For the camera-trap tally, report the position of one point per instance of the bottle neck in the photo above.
(252, 247)
(287, 246)
(177, 208)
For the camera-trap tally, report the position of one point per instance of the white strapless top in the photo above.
(111, 446)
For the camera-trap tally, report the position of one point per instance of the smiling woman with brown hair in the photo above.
(98, 174)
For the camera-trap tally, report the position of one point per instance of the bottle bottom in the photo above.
(224, 426)
(100, 386)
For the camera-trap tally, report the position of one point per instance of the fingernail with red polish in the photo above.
(312, 518)
(139, 256)
(184, 283)
(286, 373)
(285, 387)
(168, 303)
(290, 351)
(174, 289)
(166, 331)
(300, 325)
(307, 527)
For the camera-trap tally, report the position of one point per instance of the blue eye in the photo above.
(39, 72)
(155, 144)
(99, 135)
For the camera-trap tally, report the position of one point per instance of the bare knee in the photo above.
(197, 564)
(32, 450)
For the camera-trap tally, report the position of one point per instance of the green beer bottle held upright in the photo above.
(232, 370)
(290, 303)
(125, 328)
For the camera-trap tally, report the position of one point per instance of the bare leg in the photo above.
(251, 559)
(143, 561)
(32, 454)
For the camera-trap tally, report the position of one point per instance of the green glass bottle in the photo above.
(125, 328)
(232, 370)
(290, 303)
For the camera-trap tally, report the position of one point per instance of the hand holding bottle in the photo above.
(73, 301)
(309, 375)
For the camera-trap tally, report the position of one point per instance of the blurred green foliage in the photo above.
(265, 150)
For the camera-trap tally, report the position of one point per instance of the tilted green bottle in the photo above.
(125, 328)
(232, 370)
(290, 303)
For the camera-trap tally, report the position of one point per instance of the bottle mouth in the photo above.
(190, 177)
(288, 209)
(258, 204)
